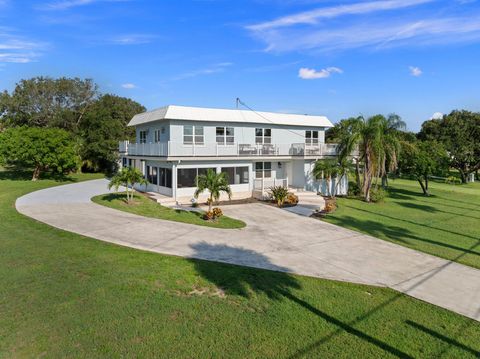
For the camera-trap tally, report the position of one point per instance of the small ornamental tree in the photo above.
(215, 184)
(42, 149)
(127, 177)
(327, 168)
(423, 159)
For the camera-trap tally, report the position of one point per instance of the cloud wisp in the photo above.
(306, 73)
(129, 86)
(364, 25)
(415, 71)
(16, 49)
(313, 16)
(68, 4)
(213, 69)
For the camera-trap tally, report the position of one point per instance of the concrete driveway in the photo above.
(273, 239)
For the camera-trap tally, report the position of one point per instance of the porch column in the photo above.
(174, 181)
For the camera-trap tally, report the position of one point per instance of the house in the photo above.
(175, 144)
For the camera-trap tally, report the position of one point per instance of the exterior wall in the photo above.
(184, 195)
(150, 128)
(244, 133)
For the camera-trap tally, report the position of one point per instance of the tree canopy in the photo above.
(38, 148)
(459, 132)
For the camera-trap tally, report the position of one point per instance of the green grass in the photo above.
(64, 295)
(446, 224)
(148, 208)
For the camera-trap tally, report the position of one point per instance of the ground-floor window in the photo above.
(263, 169)
(187, 177)
(236, 175)
(165, 177)
(151, 175)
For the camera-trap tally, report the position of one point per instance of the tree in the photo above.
(127, 177)
(103, 126)
(377, 141)
(422, 159)
(38, 148)
(326, 168)
(215, 184)
(47, 102)
(459, 132)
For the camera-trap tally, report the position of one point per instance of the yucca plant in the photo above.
(279, 194)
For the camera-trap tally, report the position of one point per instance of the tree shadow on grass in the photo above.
(399, 234)
(26, 175)
(417, 206)
(276, 284)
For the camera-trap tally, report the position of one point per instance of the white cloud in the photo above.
(215, 68)
(415, 71)
(312, 17)
(16, 49)
(129, 86)
(437, 116)
(311, 74)
(132, 39)
(68, 4)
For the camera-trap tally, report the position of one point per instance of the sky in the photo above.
(335, 58)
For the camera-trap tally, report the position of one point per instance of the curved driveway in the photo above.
(273, 239)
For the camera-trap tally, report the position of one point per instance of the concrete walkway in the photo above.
(273, 239)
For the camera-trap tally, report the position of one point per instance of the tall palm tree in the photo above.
(127, 177)
(377, 144)
(215, 184)
(326, 168)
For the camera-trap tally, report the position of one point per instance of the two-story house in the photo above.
(175, 144)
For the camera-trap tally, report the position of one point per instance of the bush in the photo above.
(452, 180)
(278, 194)
(330, 207)
(377, 194)
(292, 199)
(213, 215)
(353, 189)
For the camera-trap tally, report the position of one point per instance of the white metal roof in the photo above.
(224, 115)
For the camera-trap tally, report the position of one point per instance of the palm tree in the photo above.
(215, 184)
(127, 177)
(391, 127)
(326, 168)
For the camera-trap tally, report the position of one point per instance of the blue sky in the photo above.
(335, 58)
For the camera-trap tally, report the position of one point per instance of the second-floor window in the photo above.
(193, 135)
(157, 135)
(143, 136)
(263, 136)
(311, 137)
(225, 135)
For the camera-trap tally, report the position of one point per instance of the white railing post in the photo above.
(263, 187)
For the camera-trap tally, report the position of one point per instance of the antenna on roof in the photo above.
(238, 102)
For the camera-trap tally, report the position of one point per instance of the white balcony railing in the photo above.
(178, 149)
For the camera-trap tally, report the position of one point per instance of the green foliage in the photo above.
(42, 149)
(377, 194)
(422, 159)
(215, 183)
(452, 180)
(103, 126)
(47, 102)
(378, 142)
(353, 189)
(326, 168)
(127, 177)
(459, 132)
(279, 194)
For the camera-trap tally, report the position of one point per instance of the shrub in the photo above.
(213, 215)
(377, 194)
(353, 189)
(217, 212)
(278, 194)
(291, 199)
(452, 180)
(330, 207)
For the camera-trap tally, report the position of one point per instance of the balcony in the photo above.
(178, 149)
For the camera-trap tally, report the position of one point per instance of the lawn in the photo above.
(64, 295)
(143, 206)
(446, 224)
